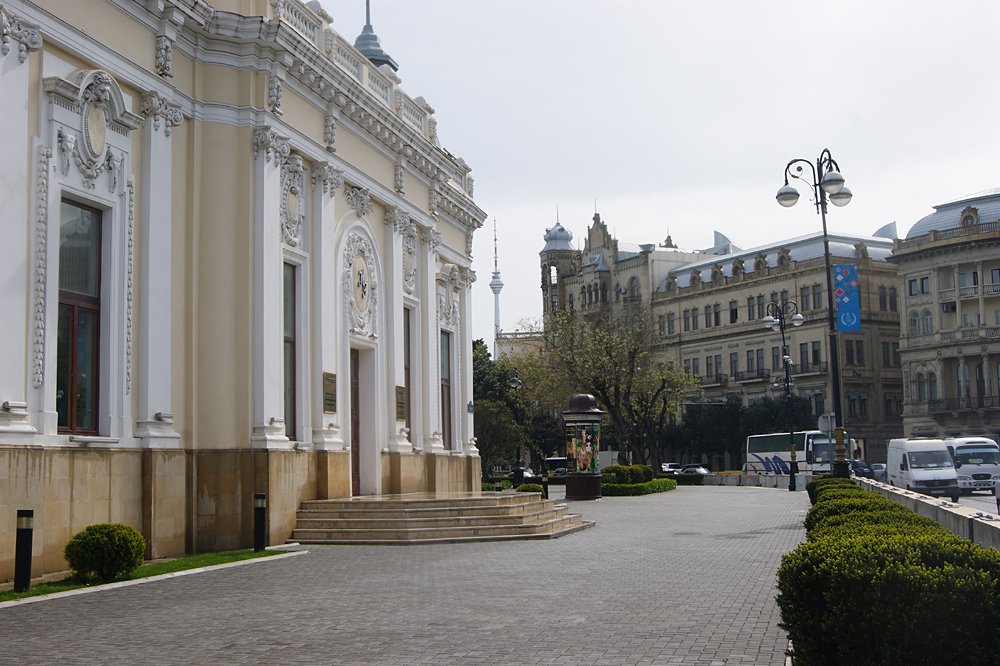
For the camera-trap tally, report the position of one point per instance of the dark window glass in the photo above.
(289, 307)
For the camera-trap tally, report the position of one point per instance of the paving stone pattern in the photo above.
(685, 577)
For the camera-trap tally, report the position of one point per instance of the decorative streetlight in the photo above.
(826, 182)
(778, 316)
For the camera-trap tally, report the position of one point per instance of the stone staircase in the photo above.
(422, 518)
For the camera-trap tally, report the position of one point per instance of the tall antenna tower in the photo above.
(496, 284)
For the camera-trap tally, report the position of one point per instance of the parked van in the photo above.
(923, 466)
(978, 462)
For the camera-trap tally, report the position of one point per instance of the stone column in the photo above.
(431, 342)
(19, 341)
(326, 335)
(154, 382)
(269, 150)
(396, 223)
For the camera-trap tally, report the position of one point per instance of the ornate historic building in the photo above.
(707, 308)
(236, 260)
(950, 275)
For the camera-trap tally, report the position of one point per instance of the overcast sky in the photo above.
(682, 115)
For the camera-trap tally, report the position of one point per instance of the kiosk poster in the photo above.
(586, 444)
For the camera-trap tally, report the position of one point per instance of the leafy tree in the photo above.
(497, 434)
(610, 357)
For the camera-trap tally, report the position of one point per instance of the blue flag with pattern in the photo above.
(846, 297)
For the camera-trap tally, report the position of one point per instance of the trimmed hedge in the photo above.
(105, 551)
(632, 489)
(689, 479)
(528, 488)
(875, 583)
(825, 480)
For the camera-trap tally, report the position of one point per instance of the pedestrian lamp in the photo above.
(777, 319)
(826, 182)
(583, 443)
(517, 474)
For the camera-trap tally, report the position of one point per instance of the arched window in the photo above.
(633, 289)
(921, 388)
(931, 386)
(928, 322)
(914, 324)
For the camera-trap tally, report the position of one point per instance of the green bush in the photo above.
(616, 474)
(490, 486)
(831, 492)
(891, 599)
(689, 479)
(872, 523)
(835, 507)
(528, 488)
(640, 473)
(633, 489)
(105, 551)
(824, 480)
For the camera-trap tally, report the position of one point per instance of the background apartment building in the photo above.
(707, 308)
(949, 269)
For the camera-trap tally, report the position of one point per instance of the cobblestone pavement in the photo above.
(685, 577)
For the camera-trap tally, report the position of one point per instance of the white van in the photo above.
(977, 460)
(923, 466)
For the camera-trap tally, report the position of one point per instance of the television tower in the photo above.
(496, 284)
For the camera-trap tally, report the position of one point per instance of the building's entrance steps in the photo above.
(422, 518)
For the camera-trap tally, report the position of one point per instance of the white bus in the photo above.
(771, 453)
(978, 462)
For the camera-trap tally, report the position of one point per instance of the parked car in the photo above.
(861, 468)
(878, 471)
(670, 468)
(696, 469)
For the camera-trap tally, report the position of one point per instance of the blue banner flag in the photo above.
(845, 295)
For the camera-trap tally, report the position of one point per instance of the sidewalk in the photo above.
(685, 577)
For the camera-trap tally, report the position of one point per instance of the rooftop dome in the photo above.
(558, 237)
(367, 42)
(948, 215)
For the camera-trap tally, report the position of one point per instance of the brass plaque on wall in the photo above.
(400, 403)
(329, 393)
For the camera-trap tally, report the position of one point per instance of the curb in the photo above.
(150, 579)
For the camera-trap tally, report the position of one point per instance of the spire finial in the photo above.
(368, 12)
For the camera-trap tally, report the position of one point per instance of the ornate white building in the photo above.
(236, 260)
(950, 276)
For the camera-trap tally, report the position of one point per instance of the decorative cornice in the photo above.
(164, 56)
(359, 199)
(327, 176)
(292, 205)
(273, 145)
(129, 284)
(158, 108)
(14, 28)
(41, 264)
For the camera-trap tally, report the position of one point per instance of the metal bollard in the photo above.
(259, 519)
(497, 487)
(545, 487)
(22, 549)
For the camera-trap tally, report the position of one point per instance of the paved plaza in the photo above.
(685, 577)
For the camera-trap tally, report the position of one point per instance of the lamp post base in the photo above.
(793, 472)
(841, 469)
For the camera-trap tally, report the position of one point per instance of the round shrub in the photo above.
(641, 473)
(835, 507)
(616, 474)
(891, 599)
(528, 488)
(689, 479)
(872, 523)
(105, 551)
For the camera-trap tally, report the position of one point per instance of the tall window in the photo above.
(734, 312)
(914, 324)
(716, 314)
(921, 388)
(446, 388)
(928, 322)
(760, 306)
(687, 320)
(804, 354)
(708, 316)
(816, 352)
(671, 323)
(932, 386)
(734, 363)
(892, 299)
(290, 351)
(776, 363)
(883, 298)
(760, 358)
(78, 335)
(804, 298)
(751, 309)
(817, 296)
(751, 365)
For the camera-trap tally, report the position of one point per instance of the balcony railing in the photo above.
(936, 235)
(963, 404)
(753, 375)
(968, 292)
(714, 380)
(809, 368)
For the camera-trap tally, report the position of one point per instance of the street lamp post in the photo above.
(517, 474)
(826, 182)
(778, 316)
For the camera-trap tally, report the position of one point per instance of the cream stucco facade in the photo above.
(279, 252)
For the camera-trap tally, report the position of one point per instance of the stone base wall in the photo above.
(187, 501)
